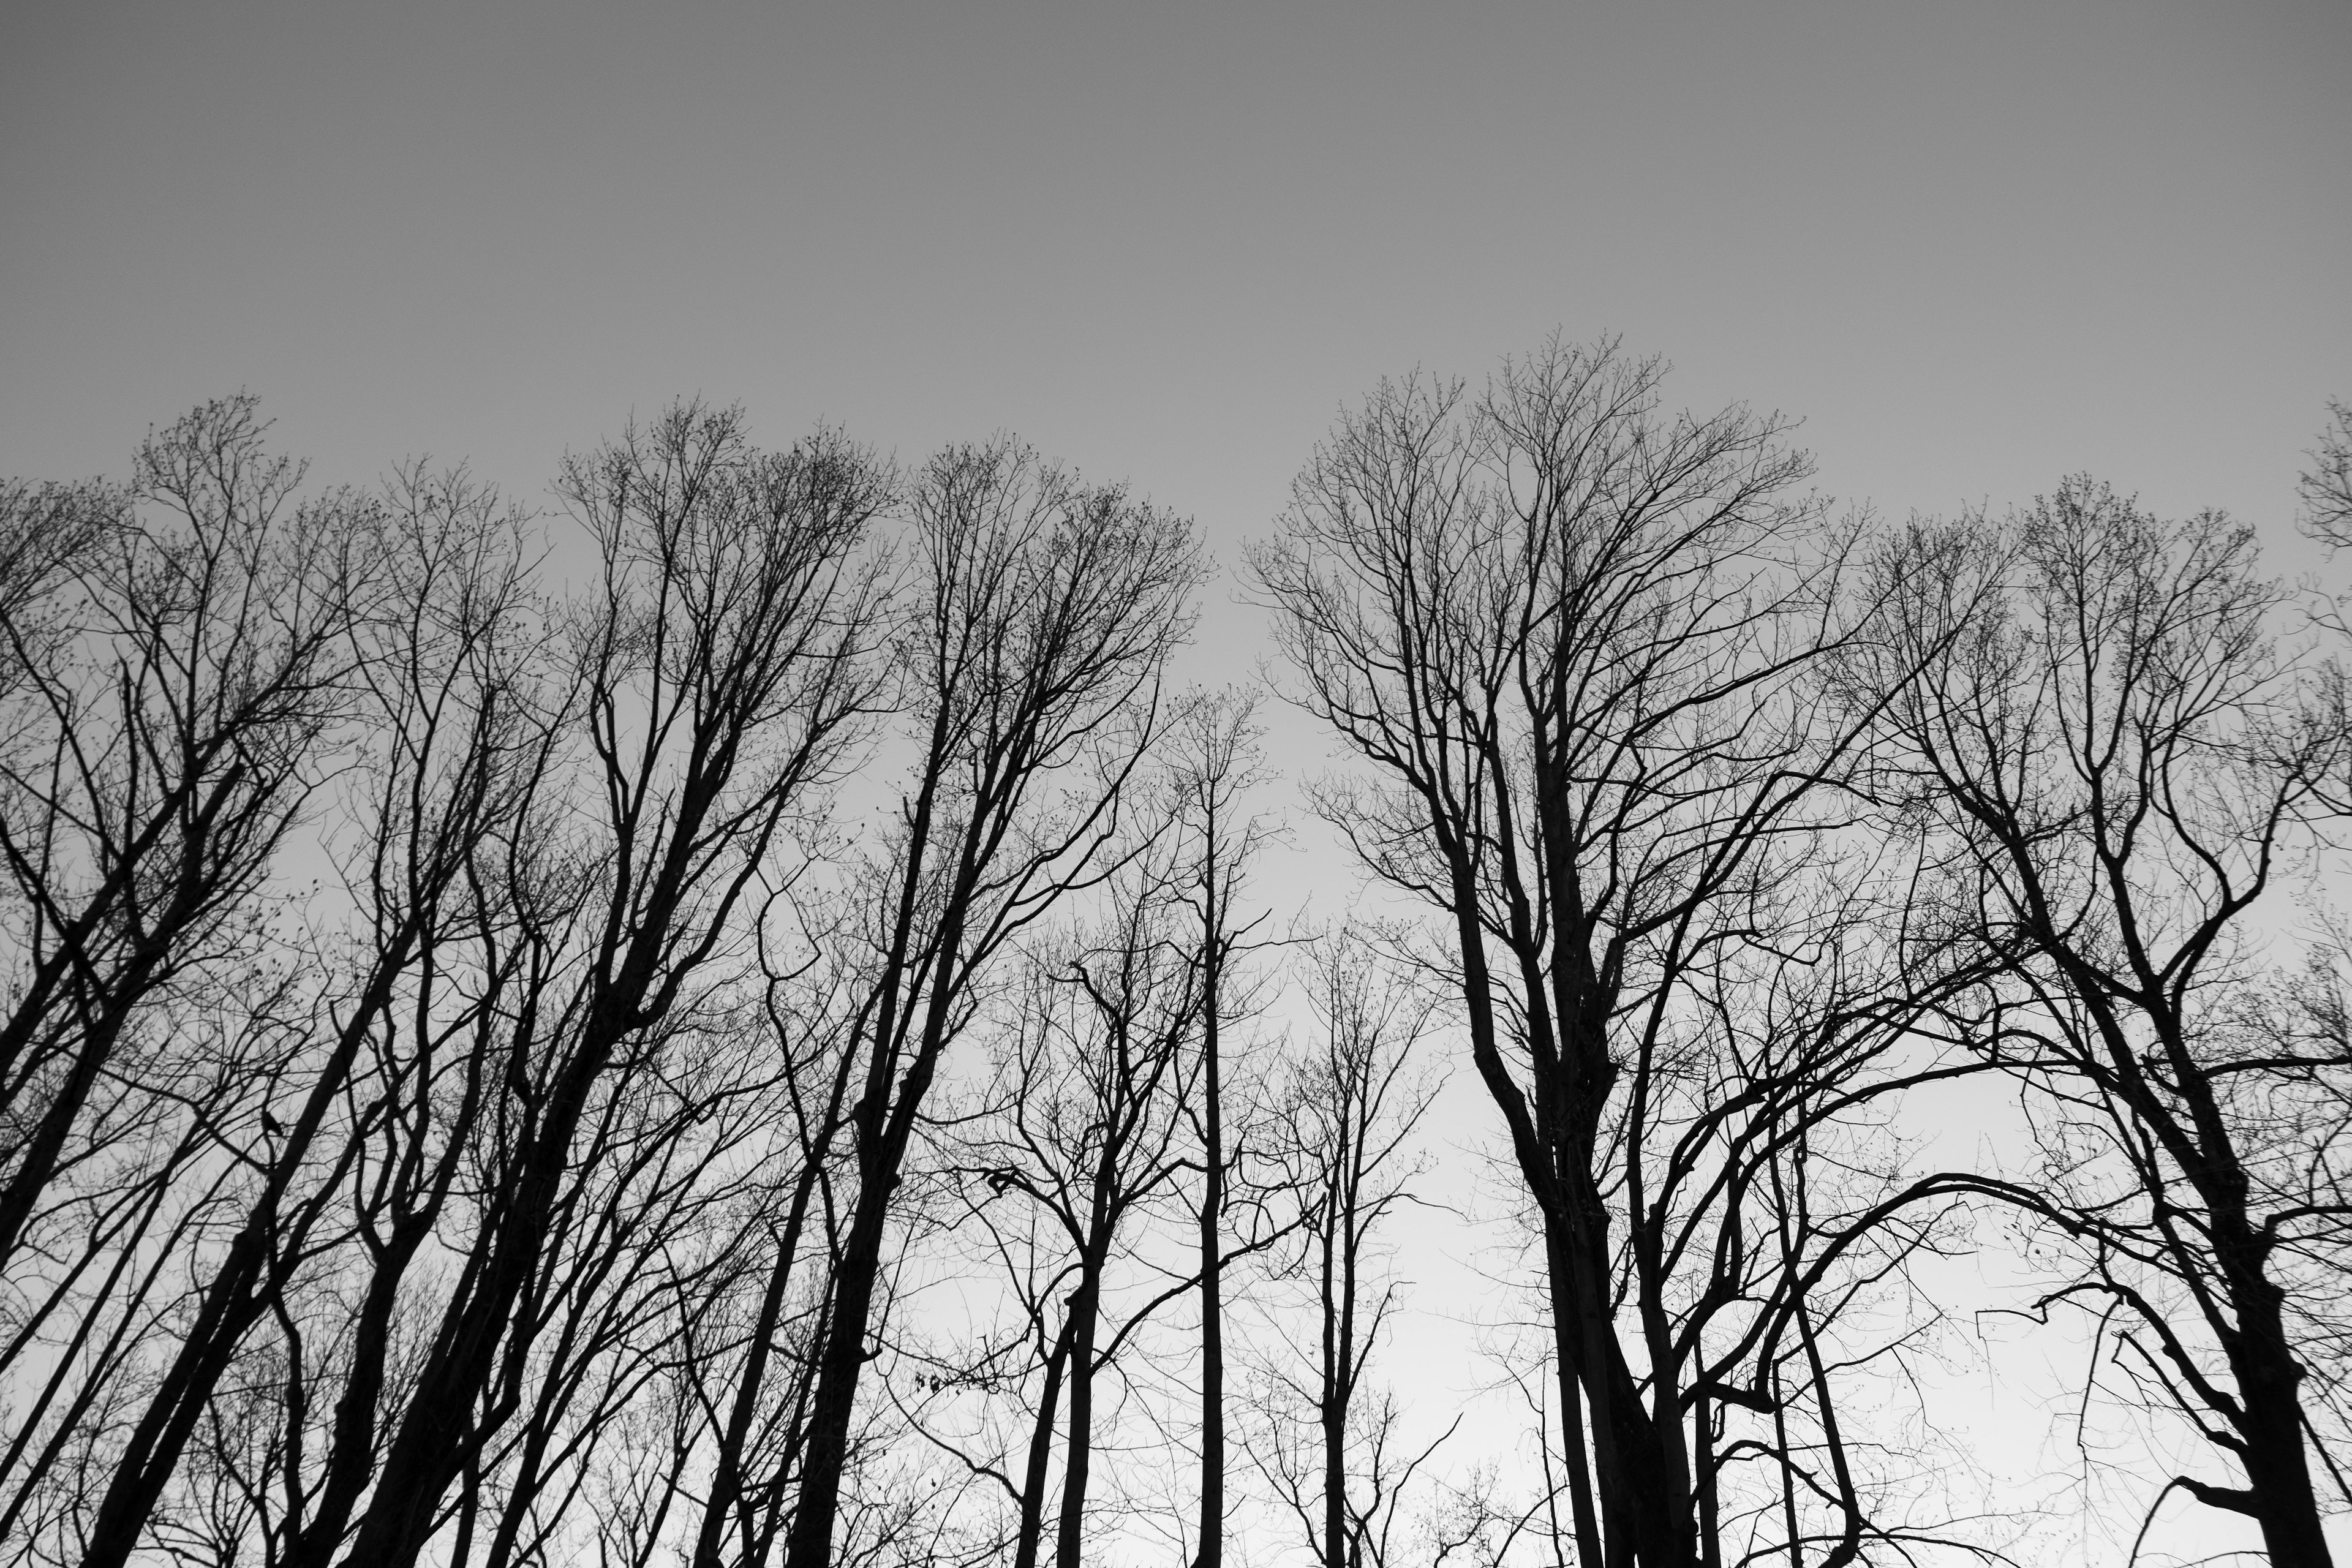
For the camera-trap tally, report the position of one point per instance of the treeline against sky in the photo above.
(732, 1025)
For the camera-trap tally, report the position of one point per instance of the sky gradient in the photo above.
(1974, 247)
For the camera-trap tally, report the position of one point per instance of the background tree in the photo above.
(182, 669)
(1058, 1182)
(1032, 649)
(445, 759)
(2327, 486)
(1352, 1111)
(159, 749)
(1217, 761)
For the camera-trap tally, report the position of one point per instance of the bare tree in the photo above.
(2327, 485)
(1352, 1111)
(1576, 641)
(444, 762)
(723, 674)
(1218, 761)
(1058, 1181)
(162, 741)
(182, 664)
(2120, 771)
(539, 1179)
(1032, 651)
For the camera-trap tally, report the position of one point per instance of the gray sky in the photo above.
(1974, 246)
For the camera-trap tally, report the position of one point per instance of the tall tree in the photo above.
(167, 725)
(1080, 1145)
(1575, 638)
(723, 671)
(1032, 647)
(1353, 1109)
(2120, 770)
(447, 760)
(1217, 761)
(181, 665)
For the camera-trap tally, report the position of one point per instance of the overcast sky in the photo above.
(1973, 245)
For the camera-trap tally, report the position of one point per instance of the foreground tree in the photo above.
(1575, 640)
(446, 760)
(2120, 774)
(723, 671)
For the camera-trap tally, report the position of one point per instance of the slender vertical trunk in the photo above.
(1788, 1473)
(727, 1472)
(1335, 1484)
(1674, 1498)
(1212, 1204)
(759, 1533)
(841, 1356)
(1849, 1544)
(525, 1475)
(884, 1127)
(470, 1510)
(1576, 1352)
(1332, 1406)
(1710, 1527)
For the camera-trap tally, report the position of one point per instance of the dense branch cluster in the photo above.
(736, 1026)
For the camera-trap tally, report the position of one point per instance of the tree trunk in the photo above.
(2277, 1466)
(1031, 1534)
(251, 1271)
(1567, 1364)
(1212, 1203)
(810, 1543)
(1077, 1450)
(727, 1477)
